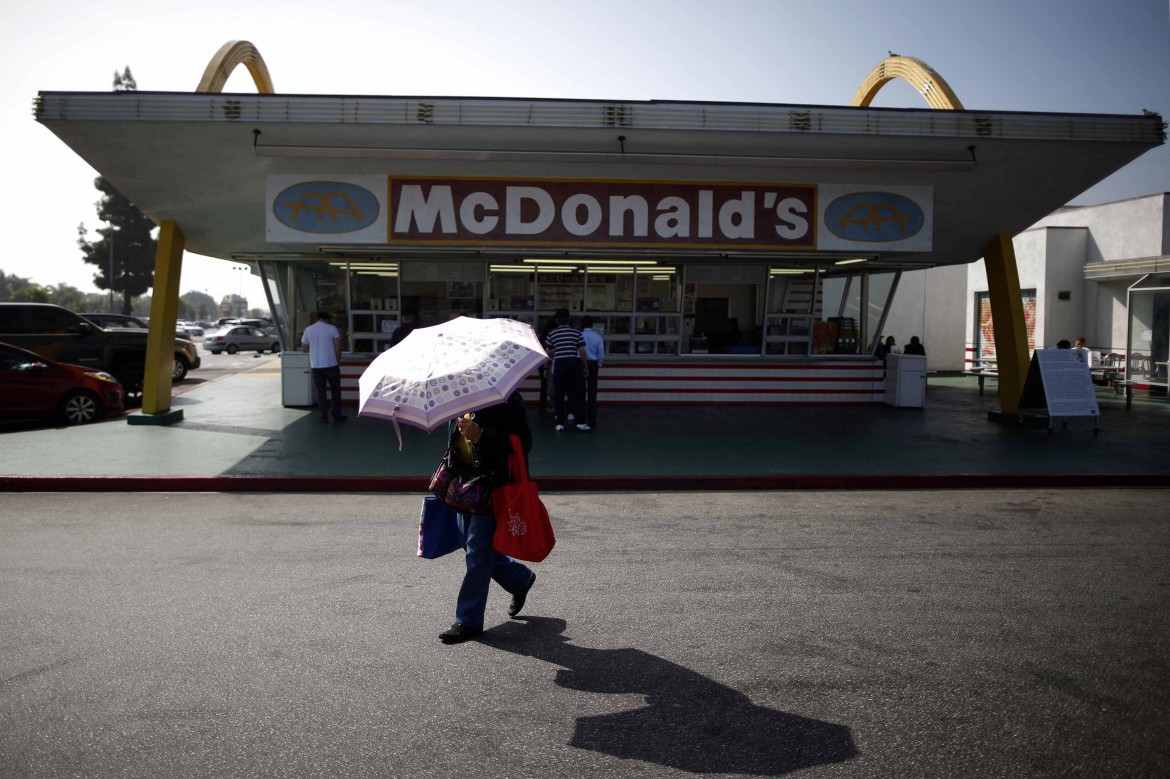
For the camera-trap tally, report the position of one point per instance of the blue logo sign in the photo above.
(874, 217)
(326, 207)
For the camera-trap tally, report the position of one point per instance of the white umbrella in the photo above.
(438, 373)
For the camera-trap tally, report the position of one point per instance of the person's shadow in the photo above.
(690, 722)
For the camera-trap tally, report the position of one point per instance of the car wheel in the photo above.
(179, 370)
(80, 407)
(275, 347)
(133, 379)
(232, 348)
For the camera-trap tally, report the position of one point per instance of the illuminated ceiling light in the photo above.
(850, 262)
(366, 265)
(561, 261)
(511, 269)
(788, 271)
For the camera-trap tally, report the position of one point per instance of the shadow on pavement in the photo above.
(691, 722)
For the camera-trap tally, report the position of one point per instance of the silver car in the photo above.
(241, 338)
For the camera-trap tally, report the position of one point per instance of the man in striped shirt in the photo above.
(566, 346)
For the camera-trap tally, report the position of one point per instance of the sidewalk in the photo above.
(235, 436)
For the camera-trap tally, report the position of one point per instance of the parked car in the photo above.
(60, 334)
(187, 329)
(32, 386)
(267, 325)
(241, 338)
(186, 354)
(117, 320)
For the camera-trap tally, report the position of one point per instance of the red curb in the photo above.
(868, 482)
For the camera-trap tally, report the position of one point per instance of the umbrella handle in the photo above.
(397, 429)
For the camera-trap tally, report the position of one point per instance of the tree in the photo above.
(10, 284)
(200, 305)
(125, 81)
(67, 296)
(128, 228)
(33, 293)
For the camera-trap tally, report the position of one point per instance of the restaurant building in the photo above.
(727, 252)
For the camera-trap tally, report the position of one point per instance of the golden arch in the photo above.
(230, 55)
(922, 77)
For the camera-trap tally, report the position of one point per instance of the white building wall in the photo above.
(1050, 257)
(1125, 229)
(1064, 271)
(925, 306)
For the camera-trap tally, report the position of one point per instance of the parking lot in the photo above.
(1010, 633)
(217, 366)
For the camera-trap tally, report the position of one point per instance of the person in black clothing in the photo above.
(403, 330)
(570, 369)
(733, 337)
(914, 347)
(547, 385)
(486, 437)
(885, 348)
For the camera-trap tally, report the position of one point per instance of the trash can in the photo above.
(296, 379)
(905, 380)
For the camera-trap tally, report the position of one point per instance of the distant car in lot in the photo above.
(241, 338)
(186, 354)
(33, 386)
(188, 328)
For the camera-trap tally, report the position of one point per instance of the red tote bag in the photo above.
(523, 529)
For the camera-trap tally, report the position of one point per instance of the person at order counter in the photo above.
(322, 341)
(888, 347)
(914, 347)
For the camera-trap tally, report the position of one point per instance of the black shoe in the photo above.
(324, 420)
(519, 598)
(340, 419)
(457, 634)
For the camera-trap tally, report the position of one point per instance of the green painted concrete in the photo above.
(236, 426)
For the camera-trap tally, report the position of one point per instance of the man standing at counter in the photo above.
(323, 343)
(594, 355)
(570, 368)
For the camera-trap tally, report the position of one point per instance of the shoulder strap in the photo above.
(517, 469)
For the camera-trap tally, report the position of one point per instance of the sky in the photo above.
(1074, 56)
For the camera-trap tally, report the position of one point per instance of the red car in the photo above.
(35, 386)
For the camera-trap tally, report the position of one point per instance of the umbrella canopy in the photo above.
(438, 373)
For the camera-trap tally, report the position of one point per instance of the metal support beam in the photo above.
(164, 313)
(1007, 316)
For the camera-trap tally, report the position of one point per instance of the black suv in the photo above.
(60, 334)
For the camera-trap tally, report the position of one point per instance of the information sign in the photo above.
(1059, 384)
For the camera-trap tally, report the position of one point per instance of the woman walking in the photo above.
(483, 440)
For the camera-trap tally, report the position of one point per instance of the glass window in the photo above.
(881, 288)
(723, 308)
(433, 292)
(48, 320)
(984, 344)
(788, 317)
(1149, 334)
(512, 292)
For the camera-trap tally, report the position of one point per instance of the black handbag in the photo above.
(460, 488)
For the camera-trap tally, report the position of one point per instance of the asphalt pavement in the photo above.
(992, 633)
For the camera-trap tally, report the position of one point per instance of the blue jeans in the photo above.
(483, 565)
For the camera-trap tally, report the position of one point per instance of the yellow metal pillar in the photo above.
(164, 312)
(1007, 316)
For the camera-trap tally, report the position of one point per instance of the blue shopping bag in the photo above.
(438, 529)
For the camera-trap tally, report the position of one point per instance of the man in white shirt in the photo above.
(594, 356)
(323, 343)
